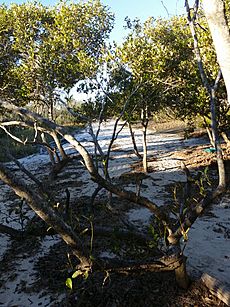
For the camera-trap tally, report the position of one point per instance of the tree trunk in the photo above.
(211, 89)
(144, 122)
(225, 138)
(208, 132)
(134, 141)
(215, 136)
(145, 150)
(51, 154)
(59, 146)
(215, 14)
(182, 276)
(210, 137)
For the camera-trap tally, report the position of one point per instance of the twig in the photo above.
(13, 136)
(162, 2)
(26, 171)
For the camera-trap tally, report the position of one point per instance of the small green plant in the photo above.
(179, 208)
(79, 272)
(203, 181)
(155, 237)
(185, 233)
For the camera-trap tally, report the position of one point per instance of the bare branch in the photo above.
(25, 171)
(162, 2)
(89, 162)
(40, 206)
(196, 7)
(27, 124)
(218, 78)
(13, 136)
(196, 48)
(73, 112)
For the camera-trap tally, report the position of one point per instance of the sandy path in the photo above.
(208, 248)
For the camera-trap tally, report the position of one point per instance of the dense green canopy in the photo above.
(44, 48)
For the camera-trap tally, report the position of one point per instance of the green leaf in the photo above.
(86, 274)
(77, 273)
(69, 283)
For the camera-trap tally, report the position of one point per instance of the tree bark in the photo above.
(144, 122)
(217, 288)
(50, 152)
(154, 265)
(211, 89)
(181, 275)
(134, 141)
(59, 146)
(225, 138)
(219, 154)
(215, 14)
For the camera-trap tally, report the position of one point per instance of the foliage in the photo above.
(159, 53)
(48, 48)
(156, 55)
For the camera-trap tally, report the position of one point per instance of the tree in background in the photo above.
(48, 49)
(211, 88)
(157, 56)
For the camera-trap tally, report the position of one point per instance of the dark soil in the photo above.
(101, 289)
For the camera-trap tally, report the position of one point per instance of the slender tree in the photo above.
(217, 21)
(211, 89)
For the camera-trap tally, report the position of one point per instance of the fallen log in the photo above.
(217, 288)
(162, 264)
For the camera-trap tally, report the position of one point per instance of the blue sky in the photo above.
(131, 8)
(141, 9)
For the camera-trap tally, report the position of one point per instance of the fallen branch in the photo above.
(150, 267)
(217, 288)
(169, 262)
(14, 233)
(26, 171)
(39, 204)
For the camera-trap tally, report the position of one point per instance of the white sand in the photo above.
(16, 291)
